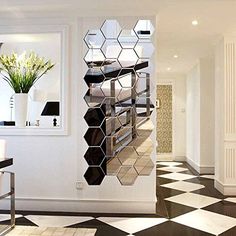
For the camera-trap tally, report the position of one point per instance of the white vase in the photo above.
(21, 105)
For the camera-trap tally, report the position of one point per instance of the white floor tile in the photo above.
(56, 221)
(231, 199)
(193, 200)
(169, 163)
(177, 176)
(132, 225)
(183, 186)
(206, 221)
(172, 169)
(208, 176)
(4, 217)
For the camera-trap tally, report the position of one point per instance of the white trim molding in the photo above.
(201, 169)
(225, 189)
(84, 205)
(64, 31)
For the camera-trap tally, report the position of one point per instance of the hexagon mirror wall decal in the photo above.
(144, 29)
(111, 29)
(128, 58)
(127, 38)
(94, 39)
(119, 104)
(111, 49)
(94, 57)
(144, 49)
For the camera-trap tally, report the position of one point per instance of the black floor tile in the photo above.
(209, 189)
(162, 172)
(169, 192)
(171, 229)
(175, 209)
(161, 180)
(19, 221)
(102, 228)
(223, 208)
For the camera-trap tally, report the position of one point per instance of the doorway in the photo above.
(164, 127)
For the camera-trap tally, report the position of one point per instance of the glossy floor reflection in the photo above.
(188, 205)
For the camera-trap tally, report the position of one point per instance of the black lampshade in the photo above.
(51, 109)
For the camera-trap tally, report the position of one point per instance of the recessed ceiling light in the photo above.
(168, 68)
(194, 22)
(175, 56)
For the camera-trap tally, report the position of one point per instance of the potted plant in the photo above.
(21, 72)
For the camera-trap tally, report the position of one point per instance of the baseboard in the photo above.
(225, 189)
(165, 157)
(71, 205)
(180, 158)
(201, 169)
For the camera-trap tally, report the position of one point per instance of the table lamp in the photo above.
(52, 109)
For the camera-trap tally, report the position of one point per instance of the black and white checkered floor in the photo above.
(188, 205)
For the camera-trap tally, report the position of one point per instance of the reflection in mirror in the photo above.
(47, 89)
(120, 107)
(144, 29)
(111, 29)
(127, 38)
(128, 58)
(94, 57)
(111, 49)
(94, 39)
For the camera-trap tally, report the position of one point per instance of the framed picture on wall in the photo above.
(158, 103)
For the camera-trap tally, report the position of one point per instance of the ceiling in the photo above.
(175, 33)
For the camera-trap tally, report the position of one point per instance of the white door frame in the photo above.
(169, 156)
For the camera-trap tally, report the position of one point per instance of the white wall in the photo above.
(178, 82)
(200, 116)
(207, 104)
(193, 116)
(47, 167)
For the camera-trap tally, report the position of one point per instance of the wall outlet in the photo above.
(79, 185)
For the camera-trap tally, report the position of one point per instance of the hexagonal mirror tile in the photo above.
(111, 29)
(109, 146)
(145, 128)
(111, 125)
(109, 107)
(94, 117)
(127, 38)
(94, 39)
(94, 76)
(128, 156)
(144, 49)
(111, 49)
(94, 98)
(144, 29)
(144, 165)
(127, 80)
(149, 69)
(111, 88)
(128, 58)
(127, 175)
(125, 117)
(94, 58)
(143, 145)
(94, 175)
(94, 156)
(113, 166)
(94, 136)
